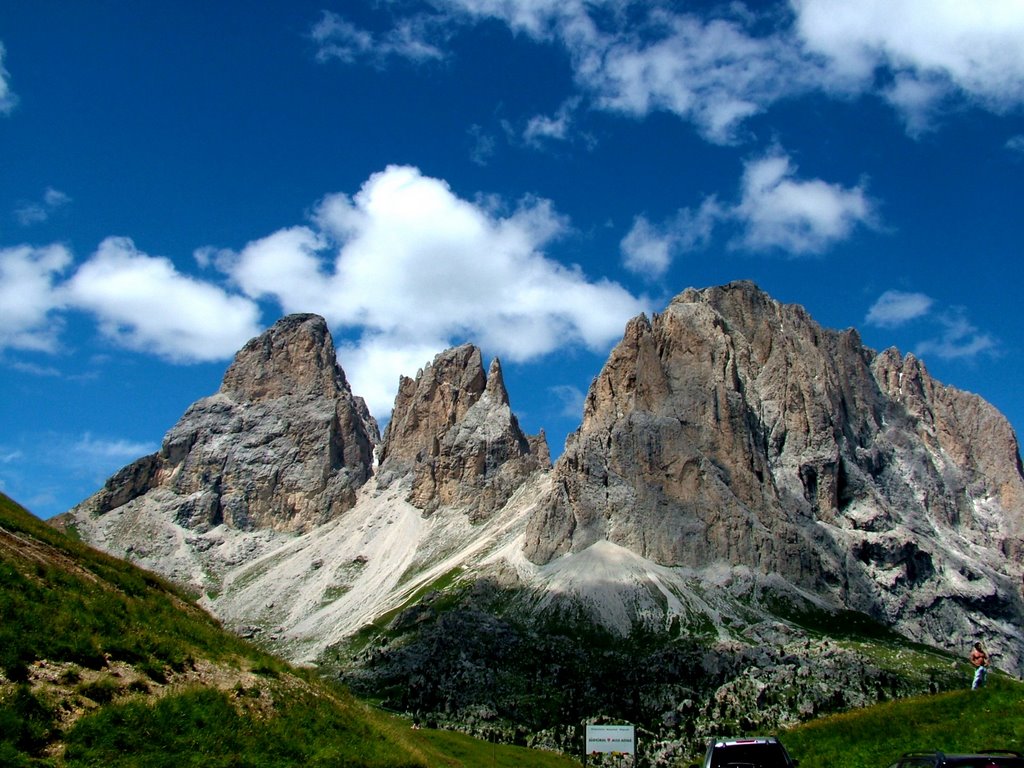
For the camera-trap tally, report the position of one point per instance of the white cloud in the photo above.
(894, 308)
(1016, 143)
(956, 339)
(775, 211)
(796, 216)
(89, 450)
(713, 70)
(29, 297)
(7, 98)
(959, 339)
(572, 399)
(144, 303)
(34, 369)
(928, 47)
(38, 212)
(409, 267)
(410, 39)
(8, 455)
(375, 363)
(711, 73)
(536, 18)
(541, 129)
(649, 249)
(646, 249)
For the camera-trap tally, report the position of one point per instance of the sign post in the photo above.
(610, 739)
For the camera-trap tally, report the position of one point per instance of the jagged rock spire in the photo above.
(454, 435)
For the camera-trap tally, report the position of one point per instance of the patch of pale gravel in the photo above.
(323, 586)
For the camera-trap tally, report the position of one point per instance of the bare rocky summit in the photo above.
(283, 445)
(453, 431)
(733, 429)
(736, 465)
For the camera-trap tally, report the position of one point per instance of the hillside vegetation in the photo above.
(103, 664)
(956, 721)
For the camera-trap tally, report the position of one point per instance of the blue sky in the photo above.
(522, 174)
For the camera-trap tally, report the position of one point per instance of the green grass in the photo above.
(958, 721)
(473, 752)
(203, 727)
(63, 602)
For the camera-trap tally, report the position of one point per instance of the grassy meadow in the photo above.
(103, 664)
(957, 721)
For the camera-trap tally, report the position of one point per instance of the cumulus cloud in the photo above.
(144, 303)
(1016, 143)
(928, 48)
(799, 217)
(648, 249)
(7, 98)
(775, 210)
(401, 269)
(895, 308)
(408, 266)
(30, 297)
(712, 73)
(38, 212)
(375, 362)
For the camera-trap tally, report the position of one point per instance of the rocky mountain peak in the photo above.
(730, 445)
(732, 428)
(453, 433)
(295, 357)
(283, 444)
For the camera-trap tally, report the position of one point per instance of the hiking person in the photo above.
(980, 661)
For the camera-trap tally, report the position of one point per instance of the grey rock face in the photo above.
(452, 430)
(733, 429)
(282, 445)
(729, 446)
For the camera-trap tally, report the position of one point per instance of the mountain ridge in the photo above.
(736, 467)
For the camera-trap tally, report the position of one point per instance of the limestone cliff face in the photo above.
(452, 430)
(733, 429)
(282, 445)
(731, 449)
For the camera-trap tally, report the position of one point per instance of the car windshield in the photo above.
(749, 756)
(985, 761)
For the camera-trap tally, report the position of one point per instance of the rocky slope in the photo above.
(282, 446)
(733, 430)
(742, 479)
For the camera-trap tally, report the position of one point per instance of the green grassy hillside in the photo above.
(958, 721)
(103, 664)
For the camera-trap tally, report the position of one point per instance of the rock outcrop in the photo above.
(282, 445)
(737, 465)
(452, 430)
(732, 429)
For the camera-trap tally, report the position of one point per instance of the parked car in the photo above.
(993, 758)
(749, 752)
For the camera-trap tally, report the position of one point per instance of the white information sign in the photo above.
(610, 738)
